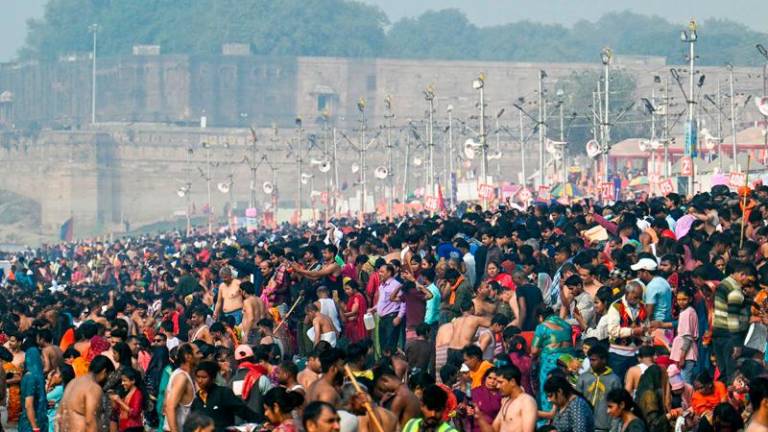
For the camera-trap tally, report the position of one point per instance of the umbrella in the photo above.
(639, 181)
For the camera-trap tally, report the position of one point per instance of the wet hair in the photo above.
(434, 398)
(286, 400)
(196, 421)
(329, 358)
(758, 390)
(473, 351)
(100, 364)
(448, 373)
(289, 367)
(420, 380)
(313, 411)
(620, 396)
(209, 367)
(599, 351)
(510, 372)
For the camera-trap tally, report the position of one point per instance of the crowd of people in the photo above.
(645, 315)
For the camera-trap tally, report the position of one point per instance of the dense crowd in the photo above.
(624, 316)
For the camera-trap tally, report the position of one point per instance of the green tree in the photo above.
(445, 34)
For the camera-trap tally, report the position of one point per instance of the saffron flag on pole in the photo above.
(67, 230)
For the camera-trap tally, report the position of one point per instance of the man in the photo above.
(326, 388)
(658, 293)
(218, 402)
(230, 298)
(758, 398)
(432, 310)
(562, 257)
(419, 351)
(394, 395)
(528, 300)
(320, 416)
(286, 377)
(312, 372)
(199, 330)
(469, 260)
(668, 266)
(251, 381)
(731, 318)
(80, 406)
(455, 292)
(473, 358)
(595, 385)
(434, 402)
(181, 388)
(578, 307)
(52, 355)
(354, 402)
(463, 332)
(492, 251)
(254, 311)
(171, 341)
(645, 357)
(518, 411)
(322, 328)
(627, 324)
(391, 312)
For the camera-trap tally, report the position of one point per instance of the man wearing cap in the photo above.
(251, 380)
(658, 293)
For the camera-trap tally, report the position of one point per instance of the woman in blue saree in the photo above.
(34, 403)
(551, 339)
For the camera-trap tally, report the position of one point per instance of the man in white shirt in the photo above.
(468, 258)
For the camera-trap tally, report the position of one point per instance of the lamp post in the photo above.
(479, 84)
(560, 103)
(521, 101)
(299, 163)
(450, 153)
(498, 143)
(690, 36)
(542, 127)
(606, 56)
(389, 115)
(764, 53)
(733, 115)
(429, 96)
(93, 29)
(363, 147)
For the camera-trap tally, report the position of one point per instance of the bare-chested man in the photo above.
(395, 395)
(322, 326)
(181, 388)
(52, 355)
(230, 298)
(758, 397)
(354, 402)
(199, 330)
(518, 409)
(465, 328)
(442, 341)
(80, 406)
(645, 359)
(254, 311)
(326, 388)
(311, 373)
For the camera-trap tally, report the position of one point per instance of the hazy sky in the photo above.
(14, 13)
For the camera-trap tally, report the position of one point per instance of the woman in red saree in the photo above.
(354, 311)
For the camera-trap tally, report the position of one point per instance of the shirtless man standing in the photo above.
(80, 406)
(52, 355)
(230, 298)
(322, 326)
(465, 328)
(325, 389)
(442, 341)
(354, 402)
(253, 312)
(199, 330)
(518, 409)
(395, 395)
(181, 388)
(645, 359)
(311, 373)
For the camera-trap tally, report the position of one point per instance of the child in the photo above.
(684, 350)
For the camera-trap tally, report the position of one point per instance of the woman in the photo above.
(493, 270)
(34, 404)
(354, 311)
(653, 398)
(165, 377)
(152, 378)
(278, 407)
(623, 408)
(487, 398)
(551, 339)
(130, 404)
(603, 300)
(572, 411)
(518, 356)
(54, 388)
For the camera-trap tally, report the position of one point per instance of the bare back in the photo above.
(465, 328)
(517, 415)
(386, 417)
(80, 406)
(307, 377)
(253, 312)
(322, 391)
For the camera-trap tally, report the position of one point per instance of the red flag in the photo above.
(440, 201)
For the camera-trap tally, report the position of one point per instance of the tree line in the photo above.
(352, 29)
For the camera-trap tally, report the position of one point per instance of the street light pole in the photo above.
(479, 84)
(764, 53)
(733, 116)
(363, 148)
(690, 37)
(606, 56)
(93, 28)
(429, 95)
(450, 154)
(299, 167)
(522, 147)
(389, 115)
(666, 128)
(542, 126)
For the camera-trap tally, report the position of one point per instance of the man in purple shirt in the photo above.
(390, 309)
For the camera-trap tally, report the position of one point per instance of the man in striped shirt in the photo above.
(731, 318)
